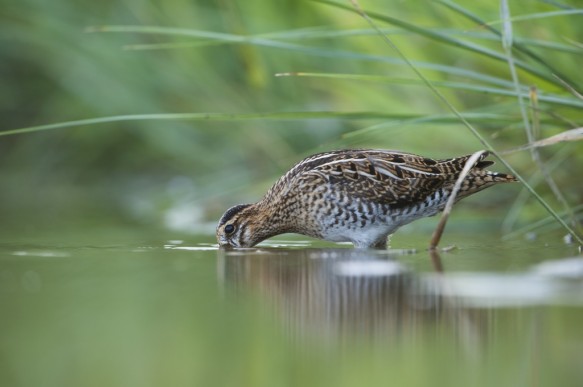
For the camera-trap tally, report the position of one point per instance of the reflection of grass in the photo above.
(217, 71)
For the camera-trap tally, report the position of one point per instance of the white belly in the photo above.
(361, 237)
(371, 233)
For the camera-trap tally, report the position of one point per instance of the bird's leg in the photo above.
(381, 243)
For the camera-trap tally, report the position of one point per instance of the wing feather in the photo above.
(386, 177)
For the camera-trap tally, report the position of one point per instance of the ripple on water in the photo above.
(192, 248)
(41, 253)
(369, 268)
(507, 290)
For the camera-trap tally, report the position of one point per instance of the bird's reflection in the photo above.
(339, 293)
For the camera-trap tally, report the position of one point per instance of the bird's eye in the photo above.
(229, 228)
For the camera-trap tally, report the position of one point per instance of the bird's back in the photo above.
(393, 178)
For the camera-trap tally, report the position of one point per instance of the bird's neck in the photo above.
(270, 220)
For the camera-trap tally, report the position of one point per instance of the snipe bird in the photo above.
(359, 195)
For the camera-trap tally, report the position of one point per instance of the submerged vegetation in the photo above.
(170, 113)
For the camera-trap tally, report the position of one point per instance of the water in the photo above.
(108, 310)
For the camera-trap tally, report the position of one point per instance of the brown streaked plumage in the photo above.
(359, 195)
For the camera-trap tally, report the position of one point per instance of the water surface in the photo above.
(165, 311)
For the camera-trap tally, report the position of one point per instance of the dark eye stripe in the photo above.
(242, 231)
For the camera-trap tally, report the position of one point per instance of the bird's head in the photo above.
(240, 226)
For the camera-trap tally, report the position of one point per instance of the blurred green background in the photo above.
(181, 174)
(102, 281)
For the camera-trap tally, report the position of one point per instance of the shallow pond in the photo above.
(155, 311)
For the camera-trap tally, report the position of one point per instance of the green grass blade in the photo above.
(445, 119)
(207, 117)
(539, 224)
(517, 44)
(540, 15)
(172, 45)
(222, 38)
(446, 39)
(524, 90)
(325, 33)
